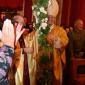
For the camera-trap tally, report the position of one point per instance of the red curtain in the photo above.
(11, 4)
(28, 10)
(72, 10)
(77, 11)
(66, 12)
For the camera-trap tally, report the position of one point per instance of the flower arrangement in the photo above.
(40, 23)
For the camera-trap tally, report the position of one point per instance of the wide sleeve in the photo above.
(63, 37)
(57, 33)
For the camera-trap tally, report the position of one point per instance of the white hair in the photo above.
(18, 19)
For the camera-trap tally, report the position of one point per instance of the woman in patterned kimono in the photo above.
(7, 39)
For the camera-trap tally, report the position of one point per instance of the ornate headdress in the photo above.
(52, 10)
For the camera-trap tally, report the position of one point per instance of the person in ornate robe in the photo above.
(30, 40)
(26, 50)
(57, 38)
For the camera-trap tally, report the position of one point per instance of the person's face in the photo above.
(79, 25)
(15, 25)
(2, 16)
(51, 20)
(67, 30)
(25, 20)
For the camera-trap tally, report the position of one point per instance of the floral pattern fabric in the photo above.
(6, 54)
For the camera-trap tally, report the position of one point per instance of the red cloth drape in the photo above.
(66, 12)
(72, 10)
(78, 10)
(28, 10)
(11, 4)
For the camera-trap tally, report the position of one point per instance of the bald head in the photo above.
(78, 24)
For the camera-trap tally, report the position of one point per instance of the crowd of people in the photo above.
(19, 49)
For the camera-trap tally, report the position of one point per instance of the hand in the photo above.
(19, 31)
(57, 43)
(8, 35)
(50, 38)
(28, 50)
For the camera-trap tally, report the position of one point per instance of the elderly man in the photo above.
(24, 63)
(77, 40)
(58, 39)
